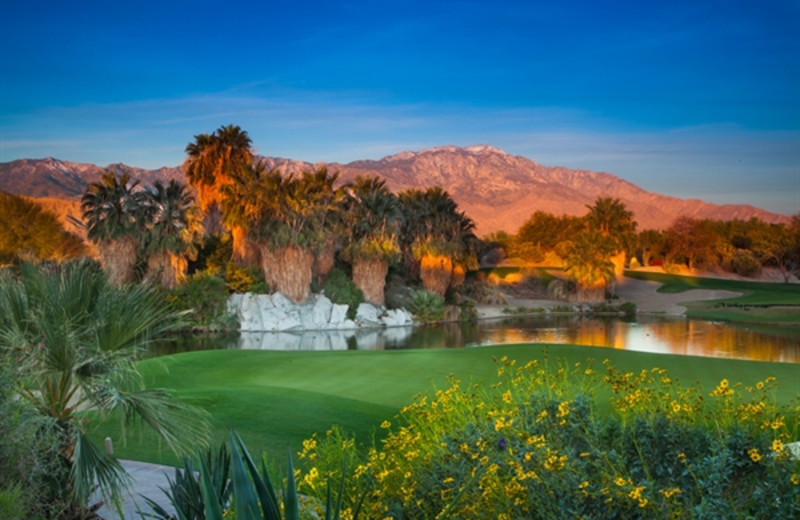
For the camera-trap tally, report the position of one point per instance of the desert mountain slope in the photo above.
(497, 190)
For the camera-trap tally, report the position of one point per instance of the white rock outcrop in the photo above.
(277, 313)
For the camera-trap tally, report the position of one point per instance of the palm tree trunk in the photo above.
(594, 293)
(459, 275)
(324, 261)
(166, 269)
(288, 271)
(436, 273)
(118, 258)
(245, 252)
(369, 275)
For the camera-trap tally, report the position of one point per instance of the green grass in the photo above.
(760, 302)
(278, 399)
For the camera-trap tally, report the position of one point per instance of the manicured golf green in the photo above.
(760, 302)
(277, 399)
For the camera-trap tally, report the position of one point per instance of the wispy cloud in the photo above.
(341, 127)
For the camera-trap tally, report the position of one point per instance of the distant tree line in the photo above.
(743, 247)
(294, 229)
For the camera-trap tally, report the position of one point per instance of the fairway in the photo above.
(278, 399)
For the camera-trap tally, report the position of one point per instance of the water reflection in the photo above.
(667, 336)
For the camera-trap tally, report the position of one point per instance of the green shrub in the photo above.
(745, 264)
(426, 306)
(560, 441)
(11, 503)
(213, 255)
(206, 297)
(30, 464)
(185, 491)
(249, 494)
(339, 288)
(469, 312)
(628, 308)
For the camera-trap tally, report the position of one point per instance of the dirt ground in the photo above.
(643, 293)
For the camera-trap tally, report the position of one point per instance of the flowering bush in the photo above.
(573, 442)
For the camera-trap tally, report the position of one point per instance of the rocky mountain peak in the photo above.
(497, 190)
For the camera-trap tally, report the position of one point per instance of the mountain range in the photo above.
(497, 190)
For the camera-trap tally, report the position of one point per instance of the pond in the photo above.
(648, 334)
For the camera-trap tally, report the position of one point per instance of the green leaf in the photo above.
(213, 509)
(243, 491)
(290, 500)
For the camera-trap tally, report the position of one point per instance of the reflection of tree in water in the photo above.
(709, 339)
(668, 336)
(446, 335)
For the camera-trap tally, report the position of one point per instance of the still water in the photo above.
(660, 335)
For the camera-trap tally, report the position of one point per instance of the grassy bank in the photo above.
(278, 399)
(760, 302)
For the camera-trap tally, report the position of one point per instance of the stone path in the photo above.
(147, 480)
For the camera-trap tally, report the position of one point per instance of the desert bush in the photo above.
(206, 298)
(29, 456)
(577, 441)
(339, 288)
(745, 264)
(426, 306)
(629, 309)
(480, 290)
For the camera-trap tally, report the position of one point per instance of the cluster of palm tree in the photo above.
(156, 225)
(593, 248)
(293, 226)
(596, 257)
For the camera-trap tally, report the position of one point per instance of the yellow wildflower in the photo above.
(754, 454)
(669, 493)
(311, 478)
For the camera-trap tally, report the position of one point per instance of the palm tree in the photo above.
(588, 264)
(77, 339)
(289, 217)
(436, 238)
(373, 217)
(113, 211)
(329, 203)
(170, 233)
(613, 221)
(213, 161)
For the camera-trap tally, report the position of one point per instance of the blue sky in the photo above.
(696, 99)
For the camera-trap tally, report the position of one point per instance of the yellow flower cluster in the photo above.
(483, 452)
(723, 389)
